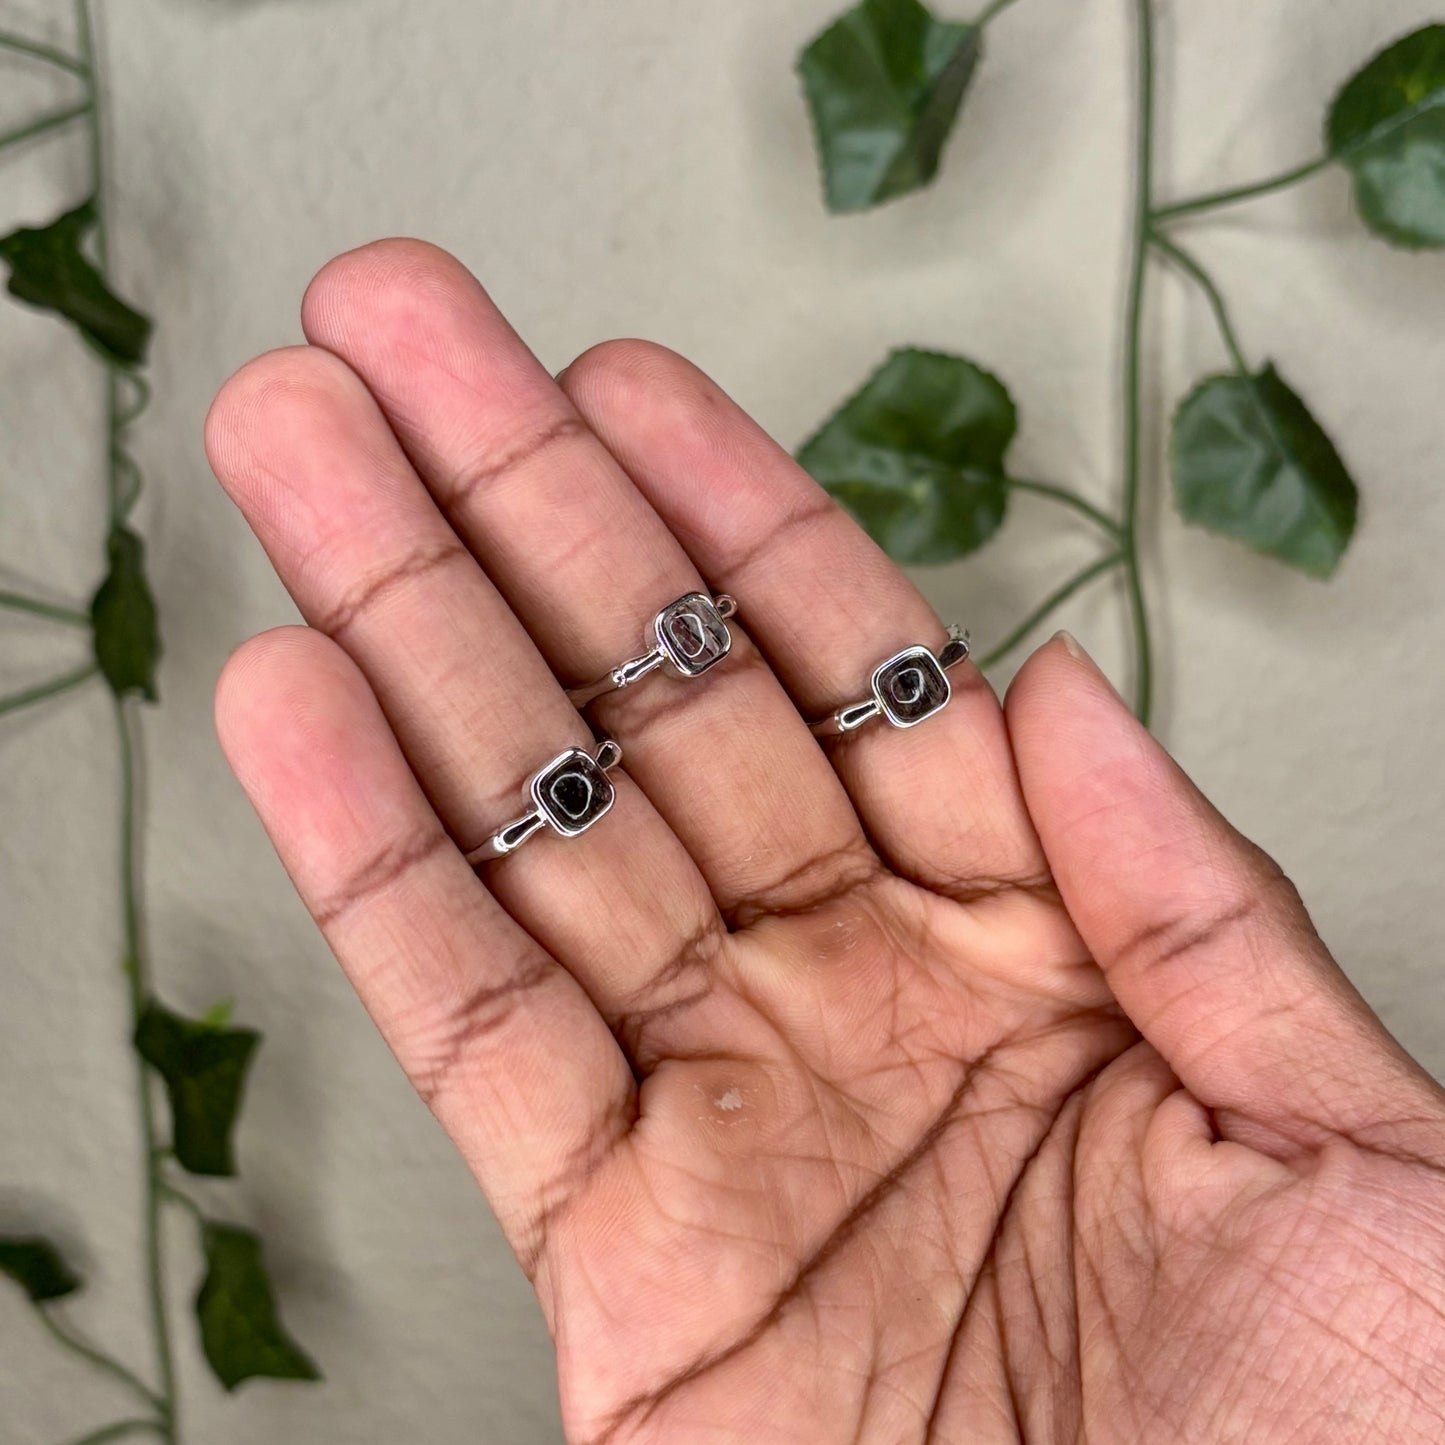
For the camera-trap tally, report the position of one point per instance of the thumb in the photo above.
(1202, 939)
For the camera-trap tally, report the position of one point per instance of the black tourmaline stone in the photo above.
(911, 687)
(692, 634)
(573, 792)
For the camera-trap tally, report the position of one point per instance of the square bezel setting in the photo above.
(692, 634)
(572, 792)
(910, 687)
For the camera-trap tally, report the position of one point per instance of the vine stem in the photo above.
(135, 973)
(99, 1359)
(17, 602)
(1049, 605)
(179, 1197)
(141, 398)
(135, 965)
(1212, 294)
(53, 120)
(1067, 498)
(1194, 205)
(23, 45)
(996, 7)
(42, 690)
(1133, 381)
(120, 1430)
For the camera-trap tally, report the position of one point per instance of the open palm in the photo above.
(969, 1083)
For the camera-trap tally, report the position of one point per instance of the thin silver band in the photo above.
(636, 668)
(848, 719)
(507, 840)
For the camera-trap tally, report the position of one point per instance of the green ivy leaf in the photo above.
(48, 269)
(240, 1332)
(123, 615)
(204, 1069)
(37, 1267)
(218, 1016)
(1251, 463)
(1388, 126)
(884, 84)
(917, 455)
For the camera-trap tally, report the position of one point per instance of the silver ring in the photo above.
(691, 634)
(569, 795)
(910, 686)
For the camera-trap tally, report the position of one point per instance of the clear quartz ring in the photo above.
(690, 634)
(568, 795)
(910, 686)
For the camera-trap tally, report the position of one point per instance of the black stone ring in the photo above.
(691, 635)
(909, 687)
(569, 795)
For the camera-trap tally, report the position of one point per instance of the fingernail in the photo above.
(1072, 646)
(1076, 650)
(561, 374)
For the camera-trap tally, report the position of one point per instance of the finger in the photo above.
(497, 1038)
(826, 606)
(585, 563)
(303, 450)
(1201, 938)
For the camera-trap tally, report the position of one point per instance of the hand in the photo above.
(971, 1083)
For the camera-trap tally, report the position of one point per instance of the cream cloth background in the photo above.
(644, 167)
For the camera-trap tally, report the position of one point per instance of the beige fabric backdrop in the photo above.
(643, 166)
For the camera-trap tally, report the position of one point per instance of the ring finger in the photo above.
(942, 800)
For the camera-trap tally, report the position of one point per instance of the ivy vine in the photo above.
(62, 267)
(919, 452)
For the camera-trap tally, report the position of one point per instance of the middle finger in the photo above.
(585, 562)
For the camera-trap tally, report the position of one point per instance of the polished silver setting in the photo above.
(908, 689)
(690, 635)
(568, 796)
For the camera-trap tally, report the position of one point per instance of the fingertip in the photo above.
(267, 686)
(383, 277)
(1063, 713)
(243, 394)
(639, 379)
(234, 695)
(269, 413)
(306, 739)
(1061, 663)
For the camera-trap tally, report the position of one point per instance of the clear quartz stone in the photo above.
(693, 634)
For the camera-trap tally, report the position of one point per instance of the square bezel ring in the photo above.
(690, 634)
(572, 792)
(569, 794)
(693, 633)
(908, 688)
